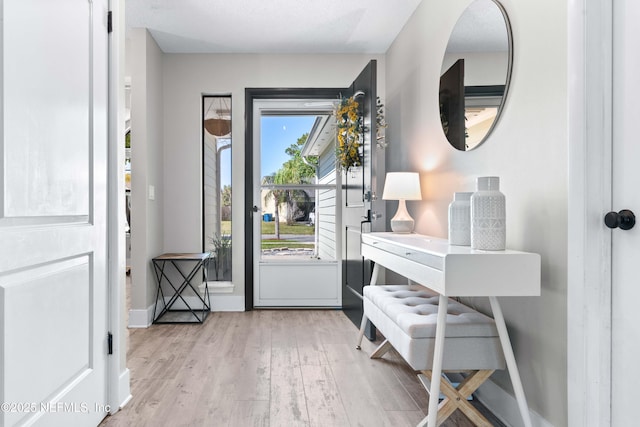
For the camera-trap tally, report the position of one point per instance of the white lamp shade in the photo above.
(402, 186)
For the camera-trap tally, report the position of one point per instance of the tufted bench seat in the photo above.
(406, 315)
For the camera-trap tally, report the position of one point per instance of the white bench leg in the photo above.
(432, 416)
(374, 275)
(511, 361)
(381, 350)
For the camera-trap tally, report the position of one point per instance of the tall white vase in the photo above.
(460, 219)
(488, 215)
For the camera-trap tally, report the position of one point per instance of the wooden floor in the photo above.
(268, 368)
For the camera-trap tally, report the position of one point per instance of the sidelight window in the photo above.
(217, 185)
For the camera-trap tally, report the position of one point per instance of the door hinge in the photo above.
(109, 343)
(109, 22)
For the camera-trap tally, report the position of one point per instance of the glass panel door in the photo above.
(295, 198)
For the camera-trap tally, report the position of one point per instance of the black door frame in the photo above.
(252, 94)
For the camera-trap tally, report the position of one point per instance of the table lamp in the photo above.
(402, 186)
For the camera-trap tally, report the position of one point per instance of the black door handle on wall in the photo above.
(625, 219)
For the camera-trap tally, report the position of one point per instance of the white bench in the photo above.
(406, 315)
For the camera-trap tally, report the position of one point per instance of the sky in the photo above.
(277, 133)
(225, 167)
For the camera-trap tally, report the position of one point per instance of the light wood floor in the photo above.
(268, 368)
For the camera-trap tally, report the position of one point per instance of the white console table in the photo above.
(458, 271)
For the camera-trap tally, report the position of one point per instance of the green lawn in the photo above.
(274, 243)
(270, 227)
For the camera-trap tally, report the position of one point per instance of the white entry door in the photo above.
(294, 224)
(53, 146)
(625, 290)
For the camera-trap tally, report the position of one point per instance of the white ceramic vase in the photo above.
(488, 215)
(460, 219)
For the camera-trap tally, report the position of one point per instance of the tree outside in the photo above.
(278, 197)
(293, 171)
(297, 171)
(225, 200)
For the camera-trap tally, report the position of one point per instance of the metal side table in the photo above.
(197, 305)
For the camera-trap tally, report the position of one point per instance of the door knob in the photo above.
(625, 219)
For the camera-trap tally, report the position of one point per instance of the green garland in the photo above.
(349, 130)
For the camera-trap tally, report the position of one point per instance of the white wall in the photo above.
(528, 151)
(489, 68)
(145, 59)
(186, 78)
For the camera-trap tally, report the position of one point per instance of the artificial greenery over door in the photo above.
(350, 132)
(349, 128)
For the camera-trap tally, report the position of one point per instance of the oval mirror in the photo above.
(475, 74)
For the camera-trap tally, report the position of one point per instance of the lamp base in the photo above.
(402, 226)
(402, 221)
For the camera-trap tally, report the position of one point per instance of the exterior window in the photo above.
(216, 176)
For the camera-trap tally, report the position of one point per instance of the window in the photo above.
(216, 184)
(298, 187)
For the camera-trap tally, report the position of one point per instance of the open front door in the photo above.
(53, 198)
(360, 204)
(359, 208)
(452, 105)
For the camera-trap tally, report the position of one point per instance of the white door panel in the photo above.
(53, 141)
(47, 75)
(28, 338)
(625, 292)
(302, 283)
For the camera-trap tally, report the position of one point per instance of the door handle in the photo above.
(625, 219)
(371, 216)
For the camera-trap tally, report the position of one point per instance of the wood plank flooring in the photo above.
(268, 368)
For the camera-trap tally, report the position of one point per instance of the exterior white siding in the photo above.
(326, 206)
(211, 208)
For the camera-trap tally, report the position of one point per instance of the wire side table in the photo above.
(198, 310)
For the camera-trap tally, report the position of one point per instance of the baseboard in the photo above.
(120, 393)
(227, 303)
(218, 303)
(124, 395)
(505, 406)
(141, 318)
(144, 318)
(220, 288)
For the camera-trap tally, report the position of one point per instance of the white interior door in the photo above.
(625, 244)
(53, 140)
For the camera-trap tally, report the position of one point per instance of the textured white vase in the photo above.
(488, 215)
(460, 219)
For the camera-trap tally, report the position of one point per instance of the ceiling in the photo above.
(271, 26)
(480, 28)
